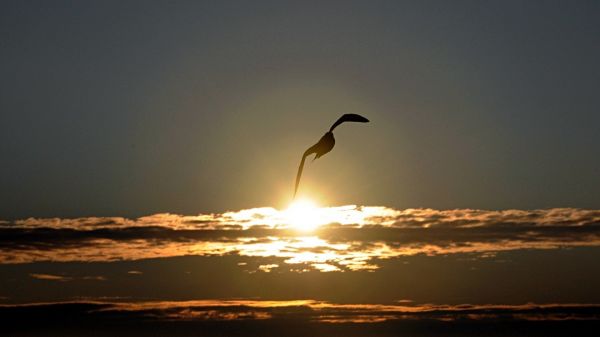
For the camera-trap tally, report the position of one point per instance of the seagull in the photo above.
(326, 143)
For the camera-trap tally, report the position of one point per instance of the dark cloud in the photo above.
(297, 318)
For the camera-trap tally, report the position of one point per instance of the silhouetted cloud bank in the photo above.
(297, 318)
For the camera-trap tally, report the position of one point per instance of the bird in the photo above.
(325, 144)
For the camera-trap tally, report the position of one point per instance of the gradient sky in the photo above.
(131, 108)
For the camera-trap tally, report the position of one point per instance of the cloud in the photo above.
(61, 278)
(349, 238)
(93, 278)
(296, 318)
(319, 311)
(50, 277)
(267, 267)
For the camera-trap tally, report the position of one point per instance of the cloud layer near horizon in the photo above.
(311, 310)
(349, 237)
(297, 318)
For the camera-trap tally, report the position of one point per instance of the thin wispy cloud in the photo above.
(63, 278)
(50, 277)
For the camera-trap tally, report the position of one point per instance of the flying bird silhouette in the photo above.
(326, 143)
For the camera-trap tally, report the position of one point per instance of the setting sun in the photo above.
(303, 214)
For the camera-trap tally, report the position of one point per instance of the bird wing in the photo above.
(349, 118)
(307, 153)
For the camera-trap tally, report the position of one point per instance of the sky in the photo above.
(150, 148)
(132, 108)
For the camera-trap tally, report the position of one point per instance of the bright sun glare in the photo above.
(303, 214)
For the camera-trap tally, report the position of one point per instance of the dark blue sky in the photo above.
(131, 108)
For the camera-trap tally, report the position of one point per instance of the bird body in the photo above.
(325, 144)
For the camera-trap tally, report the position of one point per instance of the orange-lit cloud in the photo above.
(349, 238)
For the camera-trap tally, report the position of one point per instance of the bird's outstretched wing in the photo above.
(349, 118)
(307, 153)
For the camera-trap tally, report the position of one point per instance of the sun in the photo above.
(303, 215)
